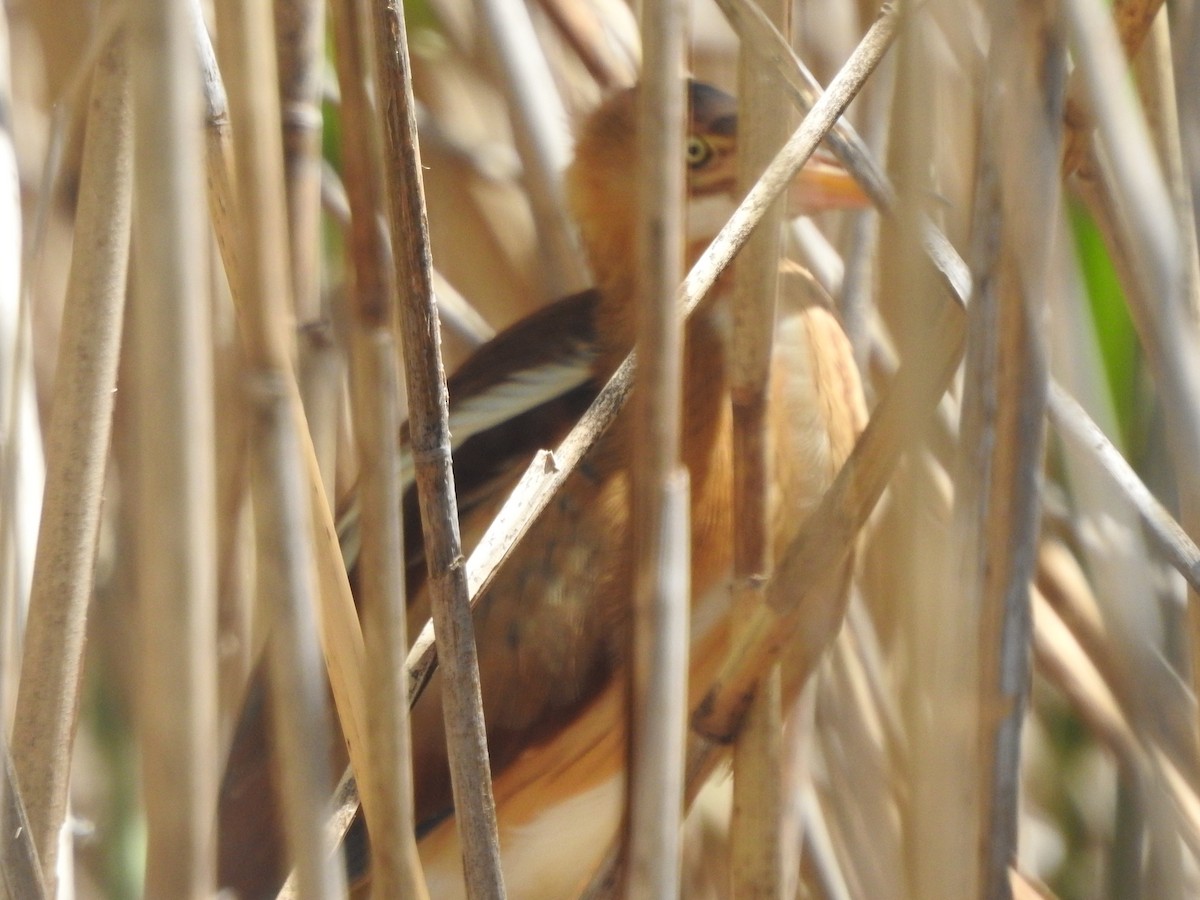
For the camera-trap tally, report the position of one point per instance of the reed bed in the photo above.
(971, 672)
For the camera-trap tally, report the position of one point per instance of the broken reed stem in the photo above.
(475, 811)
(76, 453)
(282, 509)
(171, 351)
(376, 400)
(756, 850)
(660, 496)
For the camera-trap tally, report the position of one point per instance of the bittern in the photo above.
(551, 629)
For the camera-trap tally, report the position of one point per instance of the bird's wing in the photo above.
(518, 393)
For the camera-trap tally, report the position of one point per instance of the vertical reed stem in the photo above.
(661, 530)
(757, 854)
(76, 453)
(375, 383)
(475, 810)
(282, 466)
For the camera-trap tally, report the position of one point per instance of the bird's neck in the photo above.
(617, 312)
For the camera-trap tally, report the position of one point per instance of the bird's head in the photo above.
(602, 184)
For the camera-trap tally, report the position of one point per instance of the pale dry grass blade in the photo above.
(77, 450)
(430, 439)
(376, 403)
(282, 463)
(661, 490)
(756, 839)
(176, 562)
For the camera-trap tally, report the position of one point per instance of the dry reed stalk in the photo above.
(300, 47)
(219, 165)
(542, 139)
(430, 439)
(281, 467)
(300, 51)
(238, 627)
(998, 485)
(1121, 564)
(1074, 425)
(376, 400)
(20, 870)
(660, 486)
(170, 347)
(1156, 85)
(76, 453)
(937, 694)
(756, 848)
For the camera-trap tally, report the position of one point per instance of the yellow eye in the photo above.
(698, 151)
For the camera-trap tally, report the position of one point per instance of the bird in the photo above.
(551, 628)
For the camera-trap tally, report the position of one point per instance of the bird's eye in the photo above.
(698, 151)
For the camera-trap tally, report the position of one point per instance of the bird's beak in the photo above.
(824, 184)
